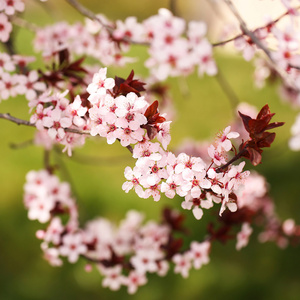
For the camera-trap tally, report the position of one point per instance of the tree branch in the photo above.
(227, 89)
(27, 123)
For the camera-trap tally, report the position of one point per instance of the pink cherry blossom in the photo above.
(31, 86)
(243, 236)
(113, 277)
(72, 246)
(134, 176)
(8, 86)
(6, 63)
(77, 111)
(11, 6)
(134, 280)
(199, 253)
(5, 28)
(128, 136)
(56, 123)
(100, 83)
(163, 135)
(145, 261)
(182, 263)
(224, 138)
(172, 186)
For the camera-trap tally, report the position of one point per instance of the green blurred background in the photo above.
(260, 271)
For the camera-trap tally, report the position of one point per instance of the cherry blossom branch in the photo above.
(258, 28)
(88, 13)
(246, 31)
(8, 117)
(18, 121)
(232, 160)
(259, 44)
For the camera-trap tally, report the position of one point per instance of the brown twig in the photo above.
(21, 145)
(27, 123)
(15, 120)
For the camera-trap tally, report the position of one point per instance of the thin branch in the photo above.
(236, 157)
(27, 123)
(173, 7)
(15, 120)
(24, 24)
(86, 12)
(21, 145)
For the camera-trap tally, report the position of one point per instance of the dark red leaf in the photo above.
(63, 57)
(125, 86)
(267, 139)
(274, 125)
(263, 112)
(258, 126)
(254, 156)
(151, 110)
(245, 120)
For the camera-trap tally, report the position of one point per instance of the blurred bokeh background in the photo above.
(260, 271)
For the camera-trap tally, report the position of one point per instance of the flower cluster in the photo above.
(15, 81)
(71, 100)
(54, 114)
(123, 254)
(174, 47)
(122, 117)
(157, 171)
(7, 9)
(131, 120)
